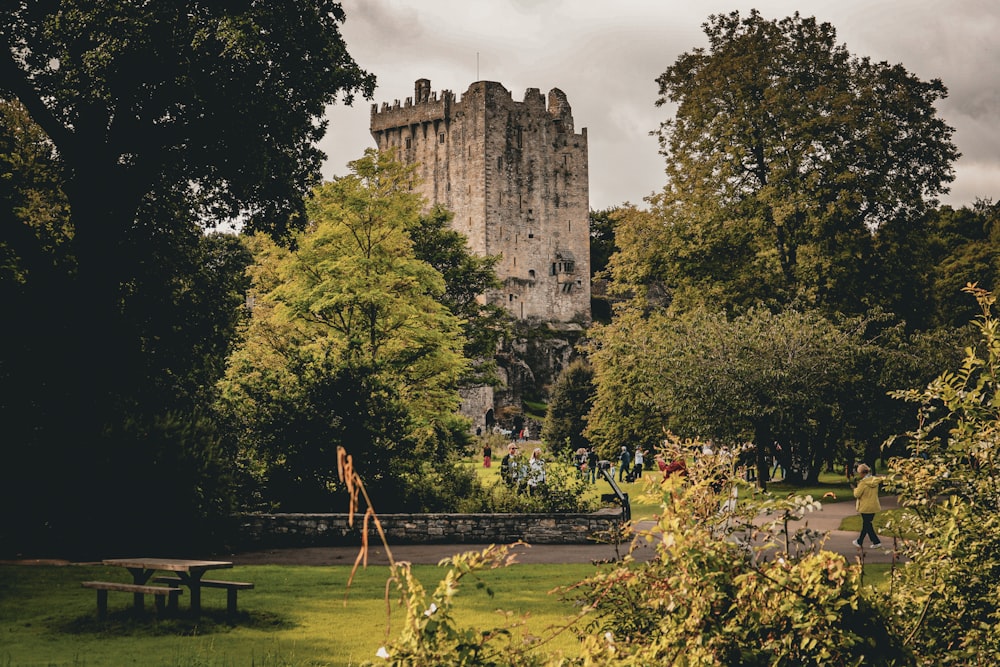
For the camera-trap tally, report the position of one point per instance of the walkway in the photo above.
(827, 519)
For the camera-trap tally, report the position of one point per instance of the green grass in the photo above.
(295, 616)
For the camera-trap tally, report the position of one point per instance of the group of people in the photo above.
(529, 476)
(523, 475)
(630, 465)
(585, 461)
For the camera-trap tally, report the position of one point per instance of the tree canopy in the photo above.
(784, 155)
(135, 127)
(349, 344)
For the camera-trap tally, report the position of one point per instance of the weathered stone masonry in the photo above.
(301, 530)
(515, 175)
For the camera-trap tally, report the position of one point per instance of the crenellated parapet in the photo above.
(424, 107)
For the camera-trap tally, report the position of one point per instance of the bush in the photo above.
(562, 492)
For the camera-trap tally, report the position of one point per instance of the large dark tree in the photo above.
(924, 264)
(571, 399)
(784, 154)
(160, 119)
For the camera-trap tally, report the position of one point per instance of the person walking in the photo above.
(487, 455)
(626, 462)
(867, 504)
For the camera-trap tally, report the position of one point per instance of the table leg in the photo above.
(139, 577)
(192, 580)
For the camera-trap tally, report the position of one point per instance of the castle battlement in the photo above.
(515, 175)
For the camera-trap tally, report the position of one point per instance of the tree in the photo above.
(602, 238)
(350, 345)
(925, 263)
(135, 104)
(791, 378)
(785, 154)
(602, 247)
(569, 402)
(964, 247)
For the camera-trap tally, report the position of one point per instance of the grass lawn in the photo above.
(294, 616)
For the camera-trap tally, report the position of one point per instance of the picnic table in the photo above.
(187, 573)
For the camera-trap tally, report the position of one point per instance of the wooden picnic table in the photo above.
(189, 572)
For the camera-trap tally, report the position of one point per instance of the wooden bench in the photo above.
(138, 592)
(231, 588)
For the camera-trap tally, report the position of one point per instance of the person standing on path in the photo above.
(867, 504)
(638, 461)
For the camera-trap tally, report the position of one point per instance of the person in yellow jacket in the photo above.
(867, 504)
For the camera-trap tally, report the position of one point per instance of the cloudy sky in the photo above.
(606, 56)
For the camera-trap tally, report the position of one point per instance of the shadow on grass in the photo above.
(129, 623)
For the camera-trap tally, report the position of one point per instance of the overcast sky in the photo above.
(606, 56)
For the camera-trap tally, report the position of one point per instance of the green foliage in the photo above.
(759, 377)
(569, 402)
(349, 345)
(602, 238)
(563, 492)
(925, 262)
(122, 144)
(947, 598)
(777, 166)
(707, 597)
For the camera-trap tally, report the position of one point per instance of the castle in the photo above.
(515, 176)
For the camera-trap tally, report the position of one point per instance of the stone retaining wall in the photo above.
(308, 530)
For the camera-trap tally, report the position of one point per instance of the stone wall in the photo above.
(313, 530)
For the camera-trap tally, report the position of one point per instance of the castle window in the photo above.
(531, 273)
(553, 269)
(531, 235)
(499, 162)
(441, 138)
(570, 225)
(409, 142)
(519, 138)
(510, 298)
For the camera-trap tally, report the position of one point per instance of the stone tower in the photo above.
(515, 176)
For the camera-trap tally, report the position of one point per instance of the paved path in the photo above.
(827, 519)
